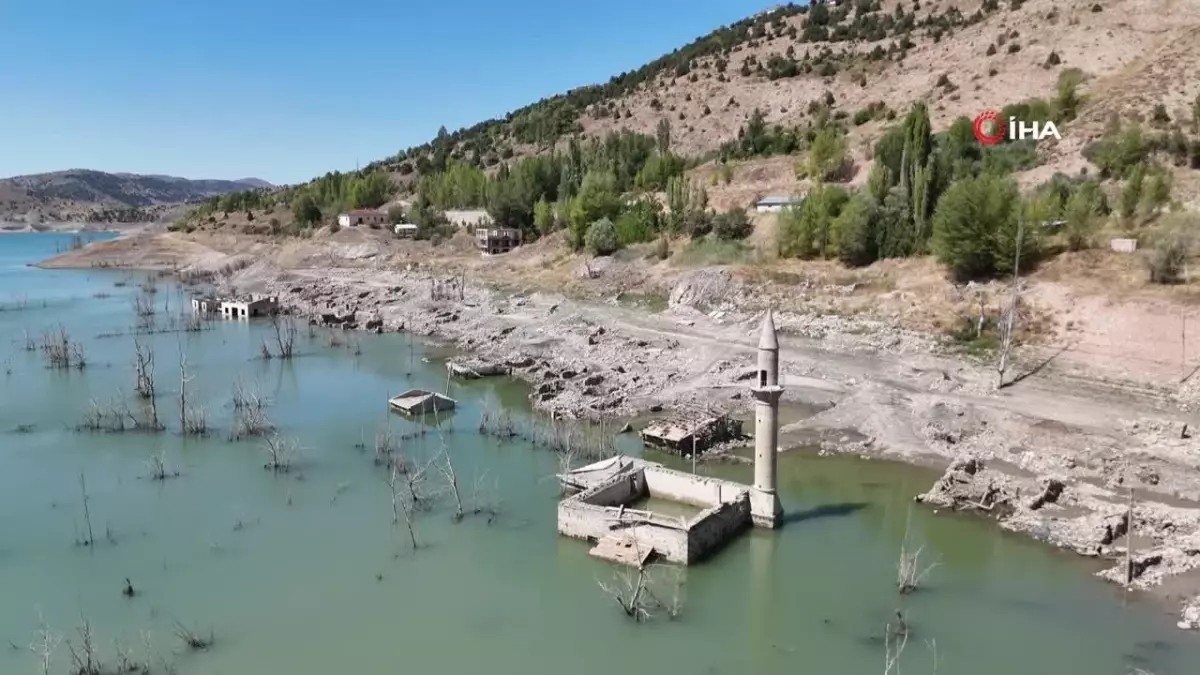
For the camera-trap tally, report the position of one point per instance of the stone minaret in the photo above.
(765, 504)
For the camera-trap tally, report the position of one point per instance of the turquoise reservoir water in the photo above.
(305, 573)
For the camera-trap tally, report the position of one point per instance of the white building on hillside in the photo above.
(776, 204)
(362, 217)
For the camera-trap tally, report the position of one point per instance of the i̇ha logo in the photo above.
(989, 130)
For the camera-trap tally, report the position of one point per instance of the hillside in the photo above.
(960, 58)
(96, 196)
(741, 108)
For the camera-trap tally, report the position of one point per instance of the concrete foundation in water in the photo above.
(599, 511)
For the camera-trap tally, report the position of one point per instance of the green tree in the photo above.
(1131, 194)
(543, 217)
(662, 136)
(879, 182)
(857, 239)
(1067, 100)
(1082, 214)
(808, 231)
(305, 210)
(1156, 194)
(827, 155)
(639, 222)
(732, 224)
(601, 238)
(974, 226)
(368, 192)
(597, 200)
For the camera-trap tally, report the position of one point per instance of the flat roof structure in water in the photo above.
(420, 401)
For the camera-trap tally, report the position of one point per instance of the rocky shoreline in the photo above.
(1053, 458)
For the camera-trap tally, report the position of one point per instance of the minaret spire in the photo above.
(765, 502)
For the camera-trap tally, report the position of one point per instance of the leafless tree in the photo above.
(285, 335)
(192, 322)
(281, 453)
(192, 420)
(30, 343)
(87, 513)
(143, 304)
(84, 658)
(251, 421)
(446, 466)
(159, 467)
(126, 660)
(244, 398)
(402, 505)
(387, 450)
(631, 593)
(143, 365)
(191, 639)
(45, 645)
(485, 500)
(98, 417)
(1010, 318)
(910, 571)
(61, 352)
(895, 639)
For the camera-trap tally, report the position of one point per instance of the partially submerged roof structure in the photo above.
(476, 368)
(416, 401)
(683, 435)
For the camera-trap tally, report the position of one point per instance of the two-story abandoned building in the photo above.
(494, 240)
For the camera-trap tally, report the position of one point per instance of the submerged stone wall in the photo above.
(716, 527)
(688, 488)
(585, 516)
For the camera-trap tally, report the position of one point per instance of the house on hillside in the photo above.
(776, 204)
(406, 230)
(362, 217)
(494, 240)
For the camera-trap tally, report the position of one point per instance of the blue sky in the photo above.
(286, 90)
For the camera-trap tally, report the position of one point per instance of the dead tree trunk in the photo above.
(191, 419)
(1011, 315)
(447, 468)
(144, 370)
(87, 514)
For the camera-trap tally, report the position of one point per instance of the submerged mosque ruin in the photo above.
(718, 510)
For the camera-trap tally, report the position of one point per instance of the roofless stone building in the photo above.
(600, 510)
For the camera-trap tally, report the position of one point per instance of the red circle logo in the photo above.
(988, 129)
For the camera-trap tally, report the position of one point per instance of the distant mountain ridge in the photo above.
(98, 196)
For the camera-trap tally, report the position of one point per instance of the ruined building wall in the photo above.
(689, 488)
(717, 526)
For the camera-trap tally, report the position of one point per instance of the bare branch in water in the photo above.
(285, 335)
(193, 640)
(45, 644)
(281, 453)
(192, 419)
(84, 658)
(910, 571)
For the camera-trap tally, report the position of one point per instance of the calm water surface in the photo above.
(304, 574)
